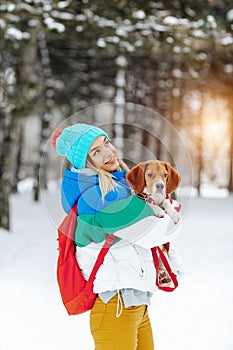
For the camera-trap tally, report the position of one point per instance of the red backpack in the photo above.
(77, 293)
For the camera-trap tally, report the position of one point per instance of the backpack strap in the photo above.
(157, 252)
(99, 261)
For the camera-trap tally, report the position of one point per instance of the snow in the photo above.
(139, 14)
(63, 4)
(160, 28)
(227, 40)
(172, 21)
(2, 24)
(51, 24)
(212, 21)
(177, 73)
(230, 15)
(16, 34)
(103, 22)
(81, 18)
(198, 316)
(228, 68)
(79, 29)
(33, 23)
(198, 33)
(210, 191)
(113, 39)
(121, 31)
(8, 7)
(63, 15)
(101, 43)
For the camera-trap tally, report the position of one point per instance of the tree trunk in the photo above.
(200, 148)
(17, 163)
(40, 166)
(162, 99)
(230, 183)
(5, 173)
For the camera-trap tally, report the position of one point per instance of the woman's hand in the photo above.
(163, 277)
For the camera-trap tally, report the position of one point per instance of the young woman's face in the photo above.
(103, 154)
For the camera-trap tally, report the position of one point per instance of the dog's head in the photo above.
(158, 177)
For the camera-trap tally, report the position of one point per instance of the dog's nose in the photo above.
(159, 186)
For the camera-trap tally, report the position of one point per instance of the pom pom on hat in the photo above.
(75, 141)
(54, 137)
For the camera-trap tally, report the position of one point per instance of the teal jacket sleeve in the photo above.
(129, 218)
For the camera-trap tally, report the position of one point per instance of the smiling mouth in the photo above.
(111, 161)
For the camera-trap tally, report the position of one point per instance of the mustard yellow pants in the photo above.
(131, 330)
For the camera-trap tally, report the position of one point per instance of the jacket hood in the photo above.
(76, 183)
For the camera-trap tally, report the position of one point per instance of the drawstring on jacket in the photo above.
(119, 305)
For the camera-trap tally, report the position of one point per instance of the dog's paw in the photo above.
(159, 212)
(176, 217)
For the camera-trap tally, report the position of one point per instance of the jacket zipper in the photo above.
(142, 274)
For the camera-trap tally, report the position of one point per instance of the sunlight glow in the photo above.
(216, 140)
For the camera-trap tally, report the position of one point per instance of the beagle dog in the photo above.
(153, 181)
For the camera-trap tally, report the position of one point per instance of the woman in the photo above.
(125, 282)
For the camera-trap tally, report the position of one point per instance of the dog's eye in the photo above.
(149, 175)
(164, 175)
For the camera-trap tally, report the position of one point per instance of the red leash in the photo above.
(157, 252)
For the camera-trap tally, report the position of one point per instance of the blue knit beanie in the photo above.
(75, 141)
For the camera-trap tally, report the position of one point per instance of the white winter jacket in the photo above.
(126, 265)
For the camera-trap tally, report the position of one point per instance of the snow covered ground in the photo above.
(198, 316)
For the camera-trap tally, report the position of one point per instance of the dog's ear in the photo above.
(173, 178)
(136, 178)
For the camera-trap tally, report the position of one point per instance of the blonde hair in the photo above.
(106, 180)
